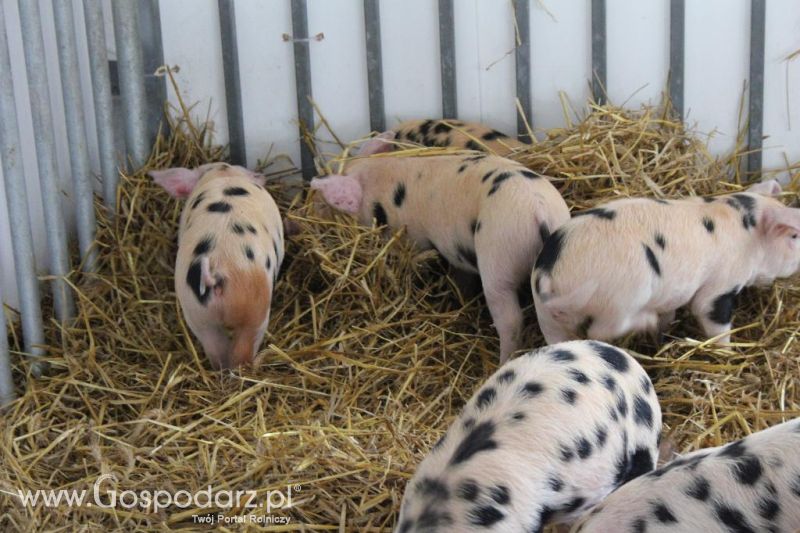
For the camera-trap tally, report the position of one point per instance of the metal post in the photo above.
(17, 203)
(155, 87)
(302, 76)
(6, 383)
(372, 27)
(677, 31)
(233, 86)
(101, 89)
(76, 130)
(45, 155)
(758, 9)
(447, 52)
(599, 51)
(131, 78)
(523, 66)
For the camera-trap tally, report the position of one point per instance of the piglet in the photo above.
(548, 436)
(627, 265)
(485, 214)
(457, 134)
(748, 486)
(230, 249)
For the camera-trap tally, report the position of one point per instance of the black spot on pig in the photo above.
(747, 469)
(475, 158)
(601, 434)
(566, 454)
(193, 278)
(647, 386)
(251, 229)
(734, 449)
(796, 486)
(469, 423)
(486, 397)
(532, 389)
(628, 468)
(700, 489)
(441, 127)
(639, 526)
(500, 178)
(599, 212)
(204, 246)
(622, 405)
(500, 494)
(769, 508)
(467, 255)
(475, 226)
(485, 516)
(709, 224)
(530, 174)
(555, 483)
(269, 263)
(379, 214)
(583, 327)
(642, 412)
(583, 447)
(506, 376)
(399, 194)
(578, 376)
(550, 251)
(469, 490)
(519, 415)
(462, 168)
(219, 207)
(479, 439)
(492, 135)
(235, 191)
(472, 145)
(660, 241)
(248, 252)
(544, 233)
(663, 513)
(486, 176)
(651, 259)
(609, 382)
(732, 518)
(563, 356)
(432, 518)
(237, 228)
(722, 307)
(612, 356)
(198, 200)
(569, 396)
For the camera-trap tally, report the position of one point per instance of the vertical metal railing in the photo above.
(233, 87)
(302, 77)
(76, 130)
(755, 123)
(523, 66)
(447, 53)
(677, 30)
(55, 229)
(372, 27)
(598, 33)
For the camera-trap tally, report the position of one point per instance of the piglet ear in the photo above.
(179, 182)
(378, 144)
(780, 221)
(341, 192)
(767, 188)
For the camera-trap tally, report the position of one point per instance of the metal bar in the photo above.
(35, 63)
(17, 204)
(7, 394)
(131, 78)
(599, 51)
(677, 44)
(155, 87)
(447, 52)
(523, 66)
(76, 131)
(302, 76)
(758, 12)
(372, 25)
(101, 89)
(233, 83)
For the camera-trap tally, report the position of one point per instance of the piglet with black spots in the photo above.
(457, 134)
(749, 486)
(547, 437)
(485, 214)
(230, 249)
(627, 265)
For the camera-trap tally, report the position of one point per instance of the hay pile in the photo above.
(371, 353)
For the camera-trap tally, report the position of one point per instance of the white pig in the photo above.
(457, 134)
(483, 213)
(749, 486)
(230, 249)
(627, 265)
(548, 436)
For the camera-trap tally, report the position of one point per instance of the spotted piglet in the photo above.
(548, 436)
(485, 214)
(457, 134)
(627, 265)
(749, 486)
(230, 248)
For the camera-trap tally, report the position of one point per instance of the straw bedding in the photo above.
(371, 353)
